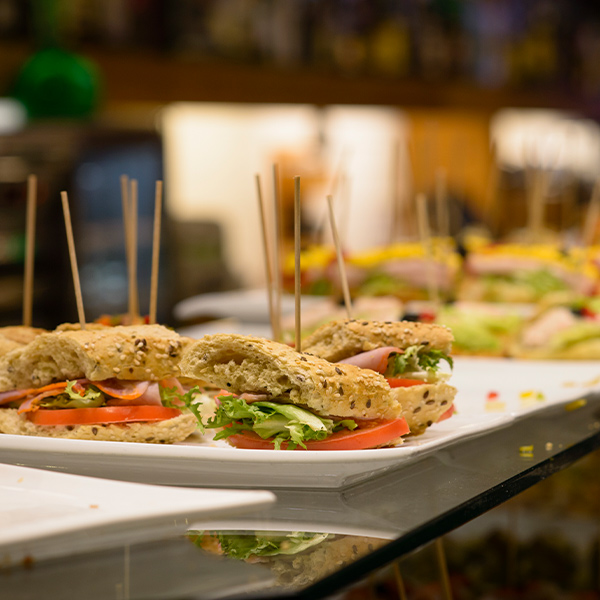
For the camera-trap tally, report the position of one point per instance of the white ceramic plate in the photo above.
(215, 464)
(43, 513)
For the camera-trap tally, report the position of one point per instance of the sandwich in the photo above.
(407, 354)
(116, 384)
(567, 330)
(17, 336)
(275, 397)
(483, 328)
(525, 273)
(407, 272)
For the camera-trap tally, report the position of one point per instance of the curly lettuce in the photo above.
(271, 420)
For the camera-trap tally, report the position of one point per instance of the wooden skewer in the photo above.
(267, 257)
(399, 581)
(425, 236)
(340, 259)
(395, 195)
(592, 215)
(536, 206)
(127, 231)
(441, 203)
(134, 309)
(443, 569)
(72, 256)
(277, 252)
(158, 192)
(29, 250)
(297, 288)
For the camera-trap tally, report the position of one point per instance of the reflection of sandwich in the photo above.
(565, 330)
(297, 558)
(276, 397)
(98, 384)
(408, 354)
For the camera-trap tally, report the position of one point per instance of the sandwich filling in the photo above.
(85, 402)
(414, 365)
(252, 421)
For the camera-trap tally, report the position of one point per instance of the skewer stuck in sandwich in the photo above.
(276, 397)
(103, 384)
(407, 354)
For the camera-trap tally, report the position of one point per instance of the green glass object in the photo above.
(57, 83)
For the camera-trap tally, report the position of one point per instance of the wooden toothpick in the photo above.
(340, 259)
(441, 203)
(297, 282)
(73, 258)
(158, 193)
(592, 215)
(267, 257)
(277, 251)
(29, 250)
(134, 309)
(425, 236)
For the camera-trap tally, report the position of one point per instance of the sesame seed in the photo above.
(116, 369)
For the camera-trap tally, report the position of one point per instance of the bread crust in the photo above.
(13, 337)
(172, 430)
(338, 340)
(142, 352)
(423, 405)
(249, 364)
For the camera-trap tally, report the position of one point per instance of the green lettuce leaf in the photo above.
(243, 546)
(282, 422)
(171, 398)
(417, 358)
(91, 397)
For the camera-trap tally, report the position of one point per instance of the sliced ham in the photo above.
(150, 397)
(122, 389)
(376, 360)
(553, 321)
(249, 398)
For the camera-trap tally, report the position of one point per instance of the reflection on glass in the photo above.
(297, 559)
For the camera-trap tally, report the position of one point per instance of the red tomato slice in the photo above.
(400, 382)
(369, 434)
(447, 414)
(102, 415)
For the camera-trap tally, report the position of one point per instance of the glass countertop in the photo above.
(312, 543)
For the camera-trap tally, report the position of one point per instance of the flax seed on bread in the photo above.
(162, 432)
(249, 364)
(143, 352)
(423, 405)
(338, 340)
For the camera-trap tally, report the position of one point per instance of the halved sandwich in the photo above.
(17, 336)
(525, 273)
(566, 330)
(408, 354)
(102, 384)
(277, 398)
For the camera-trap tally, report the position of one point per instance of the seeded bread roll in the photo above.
(338, 340)
(142, 352)
(172, 430)
(7, 345)
(423, 405)
(21, 334)
(255, 365)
